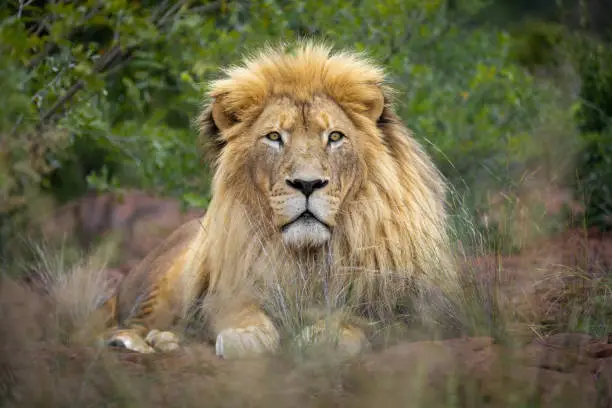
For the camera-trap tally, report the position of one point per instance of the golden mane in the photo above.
(388, 242)
(391, 236)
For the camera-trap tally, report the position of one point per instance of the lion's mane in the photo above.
(389, 236)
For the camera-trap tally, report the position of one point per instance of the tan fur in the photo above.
(384, 205)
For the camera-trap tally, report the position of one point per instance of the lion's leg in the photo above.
(137, 333)
(349, 339)
(130, 338)
(246, 332)
(153, 295)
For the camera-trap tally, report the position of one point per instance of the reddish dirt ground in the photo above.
(559, 369)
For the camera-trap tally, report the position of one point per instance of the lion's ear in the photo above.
(220, 114)
(217, 114)
(375, 106)
(385, 114)
(211, 122)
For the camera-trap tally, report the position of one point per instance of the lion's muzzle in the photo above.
(307, 214)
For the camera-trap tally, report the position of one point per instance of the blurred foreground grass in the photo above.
(520, 347)
(101, 96)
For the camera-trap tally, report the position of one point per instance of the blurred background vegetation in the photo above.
(101, 94)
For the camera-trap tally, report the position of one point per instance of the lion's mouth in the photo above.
(305, 217)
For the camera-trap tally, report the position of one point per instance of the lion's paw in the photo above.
(130, 341)
(245, 342)
(163, 341)
(155, 340)
(349, 341)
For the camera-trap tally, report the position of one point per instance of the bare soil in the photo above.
(538, 288)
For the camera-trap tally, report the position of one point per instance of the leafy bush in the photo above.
(545, 46)
(594, 170)
(122, 82)
(594, 179)
(537, 44)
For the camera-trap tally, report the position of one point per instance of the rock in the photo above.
(600, 350)
(138, 220)
(569, 340)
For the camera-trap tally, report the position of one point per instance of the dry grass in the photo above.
(39, 370)
(46, 360)
(505, 307)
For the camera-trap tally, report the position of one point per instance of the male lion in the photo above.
(321, 199)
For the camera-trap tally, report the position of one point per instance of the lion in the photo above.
(321, 200)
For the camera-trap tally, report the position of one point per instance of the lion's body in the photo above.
(375, 220)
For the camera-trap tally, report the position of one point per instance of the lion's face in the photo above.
(304, 159)
(308, 152)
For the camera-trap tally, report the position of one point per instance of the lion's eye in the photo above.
(335, 137)
(274, 137)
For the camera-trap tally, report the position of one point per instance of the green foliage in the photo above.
(537, 43)
(545, 46)
(594, 168)
(594, 178)
(594, 59)
(123, 81)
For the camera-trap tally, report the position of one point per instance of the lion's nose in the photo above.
(307, 187)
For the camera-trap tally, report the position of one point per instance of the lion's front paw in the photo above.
(348, 340)
(131, 341)
(162, 340)
(154, 341)
(244, 342)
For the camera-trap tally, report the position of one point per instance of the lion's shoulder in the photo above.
(160, 271)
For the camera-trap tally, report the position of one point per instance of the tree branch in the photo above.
(101, 65)
(207, 8)
(50, 47)
(111, 58)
